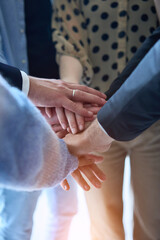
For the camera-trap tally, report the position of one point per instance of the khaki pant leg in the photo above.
(105, 205)
(145, 177)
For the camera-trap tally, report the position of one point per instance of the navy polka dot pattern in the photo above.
(102, 34)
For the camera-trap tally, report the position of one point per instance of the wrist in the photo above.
(70, 79)
(78, 146)
(98, 138)
(70, 69)
(32, 88)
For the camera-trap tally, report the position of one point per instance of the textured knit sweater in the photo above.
(31, 156)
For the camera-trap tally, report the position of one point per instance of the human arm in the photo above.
(92, 172)
(71, 71)
(31, 156)
(52, 93)
(70, 35)
(72, 50)
(130, 111)
(135, 106)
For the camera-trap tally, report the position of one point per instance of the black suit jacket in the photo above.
(12, 75)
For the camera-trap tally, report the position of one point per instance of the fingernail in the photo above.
(86, 188)
(65, 187)
(74, 130)
(81, 127)
(104, 95)
(64, 126)
(68, 129)
(103, 101)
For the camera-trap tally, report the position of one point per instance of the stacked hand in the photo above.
(88, 167)
(66, 107)
(57, 93)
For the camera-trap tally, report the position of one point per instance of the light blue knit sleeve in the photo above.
(31, 155)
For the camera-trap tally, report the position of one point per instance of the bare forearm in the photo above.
(70, 69)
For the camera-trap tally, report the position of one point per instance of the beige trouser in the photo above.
(106, 206)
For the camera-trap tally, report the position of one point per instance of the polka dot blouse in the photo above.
(102, 34)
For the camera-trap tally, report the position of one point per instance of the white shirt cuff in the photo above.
(25, 83)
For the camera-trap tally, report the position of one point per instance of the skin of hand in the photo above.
(53, 93)
(51, 120)
(74, 122)
(90, 140)
(87, 164)
(88, 167)
(71, 71)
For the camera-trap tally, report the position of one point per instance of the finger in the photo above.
(65, 185)
(69, 130)
(61, 117)
(90, 119)
(87, 105)
(71, 121)
(48, 112)
(88, 90)
(80, 122)
(87, 171)
(76, 108)
(87, 97)
(98, 172)
(89, 159)
(53, 120)
(62, 134)
(94, 110)
(42, 110)
(80, 180)
(57, 128)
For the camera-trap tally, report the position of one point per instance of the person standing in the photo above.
(98, 38)
(26, 43)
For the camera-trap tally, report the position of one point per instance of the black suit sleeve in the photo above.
(132, 64)
(12, 75)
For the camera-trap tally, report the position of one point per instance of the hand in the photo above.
(53, 121)
(91, 140)
(87, 166)
(57, 93)
(73, 122)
